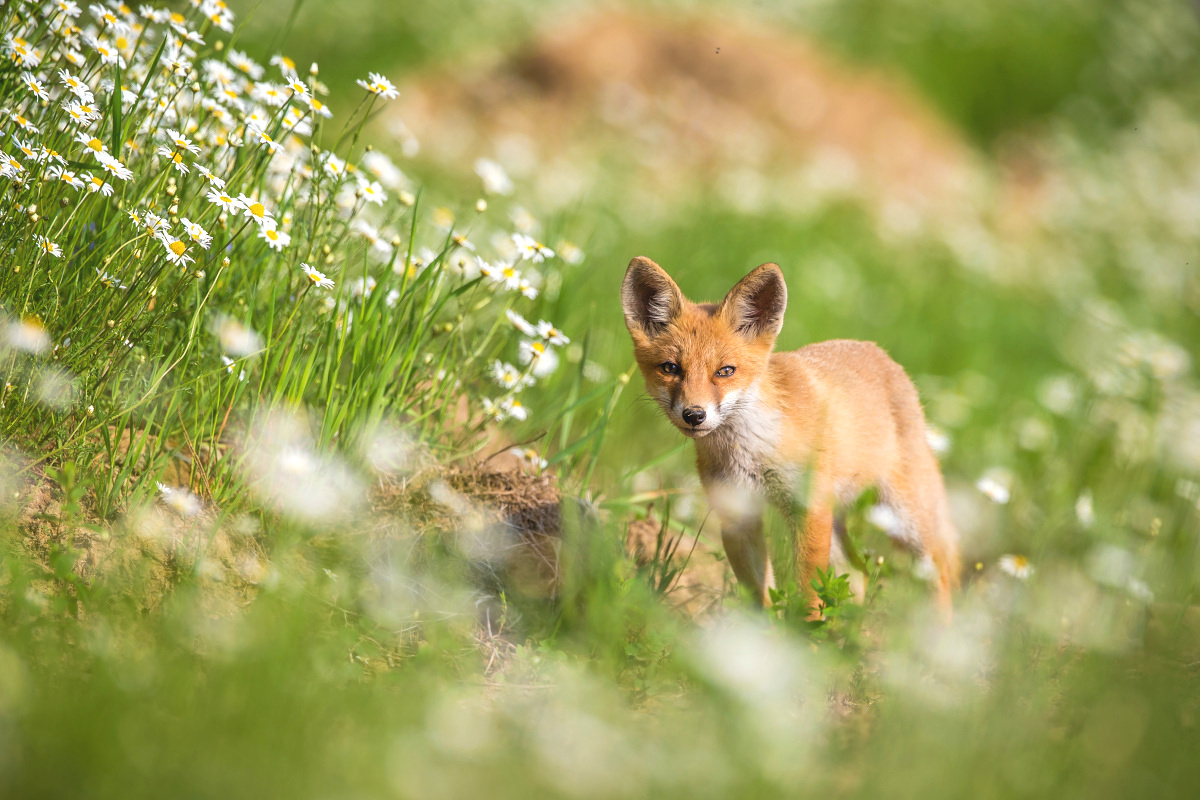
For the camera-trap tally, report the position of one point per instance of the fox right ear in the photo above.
(650, 298)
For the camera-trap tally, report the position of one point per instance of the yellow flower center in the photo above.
(122, 43)
(539, 347)
(177, 158)
(272, 235)
(509, 272)
(177, 248)
(96, 145)
(287, 62)
(177, 18)
(97, 181)
(257, 209)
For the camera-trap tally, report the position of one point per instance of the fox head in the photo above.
(701, 360)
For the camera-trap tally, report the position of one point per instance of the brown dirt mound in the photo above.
(674, 105)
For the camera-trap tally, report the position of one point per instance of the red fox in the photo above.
(807, 429)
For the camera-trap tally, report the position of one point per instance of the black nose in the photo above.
(693, 415)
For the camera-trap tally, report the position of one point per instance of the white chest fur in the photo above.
(745, 444)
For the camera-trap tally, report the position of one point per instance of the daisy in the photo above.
(35, 85)
(270, 93)
(531, 249)
(175, 157)
(47, 246)
(108, 54)
(379, 85)
(21, 51)
(509, 276)
(207, 174)
(176, 250)
(68, 8)
(109, 282)
(551, 334)
(492, 409)
(298, 89)
(180, 141)
(48, 155)
(93, 144)
(115, 168)
(24, 124)
(275, 239)
(256, 210)
(96, 184)
(154, 224)
(520, 323)
(108, 19)
(528, 289)
(9, 167)
(246, 64)
(530, 457)
(333, 166)
(82, 113)
(75, 85)
(196, 233)
(224, 201)
(537, 353)
(318, 107)
(509, 377)
(66, 176)
(372, 192)
(1016, 565)
(318, 278)
(262, 138)
(229, 363)
(26, 147)
(512, 407)
(285, 64)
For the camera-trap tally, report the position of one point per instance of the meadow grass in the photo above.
(305, 606)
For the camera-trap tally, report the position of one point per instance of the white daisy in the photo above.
(318, 278)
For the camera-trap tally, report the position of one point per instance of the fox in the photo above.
(807, 431)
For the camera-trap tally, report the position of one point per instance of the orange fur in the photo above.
(818, 425)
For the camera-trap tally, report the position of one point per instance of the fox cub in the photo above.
(807, 429)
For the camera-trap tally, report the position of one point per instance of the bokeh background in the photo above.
(1005, 194)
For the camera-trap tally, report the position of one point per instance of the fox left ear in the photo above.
(755, 306)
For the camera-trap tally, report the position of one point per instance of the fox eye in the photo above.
(725, 371)
(669, 367)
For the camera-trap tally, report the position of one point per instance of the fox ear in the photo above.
(650, 298)
(754, 307)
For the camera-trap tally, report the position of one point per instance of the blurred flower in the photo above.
(1084, 510)
(27, 335)
(1017, 566)
(495, 179)
(529, 457)
(379, 85)
(530, 248)
(995, 487)
(939, 441)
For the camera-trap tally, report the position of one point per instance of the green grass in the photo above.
(328, 625)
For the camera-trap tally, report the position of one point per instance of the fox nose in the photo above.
(693, 415)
